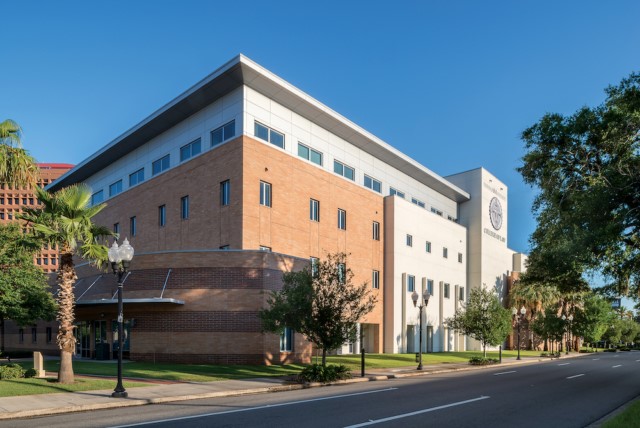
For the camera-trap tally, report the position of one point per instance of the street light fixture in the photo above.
(518, 316)
(565, 335)
(569, 333)
(120, 258)
(423, 304)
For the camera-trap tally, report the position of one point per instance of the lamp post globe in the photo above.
(423, 304)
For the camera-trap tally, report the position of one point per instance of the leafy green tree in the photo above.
(323, 305)
(17, 167)
(24, 293)
(586, 169)
(550, 327)
(629, 330)
(65, 220)
(592, 319)
(613, 332)
(484, 318)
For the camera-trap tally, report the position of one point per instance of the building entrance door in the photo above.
(101, 343)
(83, 339)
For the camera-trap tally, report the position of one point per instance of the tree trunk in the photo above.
(66, 302)
(324, 357)
(1, 335)
(484, 349)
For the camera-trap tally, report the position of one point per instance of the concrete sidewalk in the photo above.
(67, 402)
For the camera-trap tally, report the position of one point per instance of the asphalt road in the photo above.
(560, 393)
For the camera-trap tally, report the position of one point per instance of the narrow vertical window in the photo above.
(461, 294)
(49, 335)
(34, 335)
(342, 273)
(286, 340)
(265, 194)
(132, 226)
(314, 210)
(430, 286)
(116, 227)
(445, 252)
(315, 268)
(427, 247)
(162, 215)
(459, 257)
(184, 207)
(411, 283)
(225, 192)
(409, 240)
(376, 231)
(447, 292)
(375, 279)
(342, 219)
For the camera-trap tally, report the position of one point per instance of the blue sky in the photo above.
(451, 84)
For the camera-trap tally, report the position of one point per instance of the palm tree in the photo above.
(17, 167)
(535, 297)
(65, 220)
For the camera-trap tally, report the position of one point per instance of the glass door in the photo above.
(83, 339)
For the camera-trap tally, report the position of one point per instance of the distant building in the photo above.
(243, 177)
(13, 200)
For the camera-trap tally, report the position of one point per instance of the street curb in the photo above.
(128, 402)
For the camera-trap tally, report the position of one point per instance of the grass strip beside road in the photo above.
(628, 418)
(32, 386)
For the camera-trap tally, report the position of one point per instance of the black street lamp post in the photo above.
(423, 304)
(518, 317)
(120, 258)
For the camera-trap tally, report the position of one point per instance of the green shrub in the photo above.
(11, 371)
(30, 372)
(610, 350)
(320, 373)
(481, 361)
(624, 348)
(550, 354)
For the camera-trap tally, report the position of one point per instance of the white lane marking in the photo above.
(564, 364)
(637, 361)
(267, 406)
(578, 375)
(619, 365)
(501, 373)
(596, 359)
(419, 412)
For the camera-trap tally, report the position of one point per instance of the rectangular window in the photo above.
(45, 260)
(459, 257)
(34, 335)
(160, 165)
(162, 215)
(396, 192)
(411, 283)
(115, 188)
(376, 231)
(132, 226)
(265, 194)
(136, 177)
(372, 184)
(430, 286)
(447, 291)
(314, 210)
(286, 340)
(54, 261)
(445, 252)
(436, 211)
(190, 150)
(24, 201)
(427, 246)
(309, 154)
(342, 273)
(265, 248)
(21, 335)
(225, 192)
(417, 202)
(222, 134)
(97, 197)
(49, 335)
(31, 201)
(224, 247)
(342, 219)
(184, 207)
(116, 227)
(461, 294)
(375, 279)
(344, 170)
(269, 135)
(409, 240)
(315, 267)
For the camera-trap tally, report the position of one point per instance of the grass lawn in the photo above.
(14, 387)
(628, 418)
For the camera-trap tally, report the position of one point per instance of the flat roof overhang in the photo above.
(153, 300)
(242, 71)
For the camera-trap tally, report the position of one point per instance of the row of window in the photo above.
(46, 261)
(218, 136)
(445, 250)
(446, 289)
(16, 201)
(34, 335)
(276, 138)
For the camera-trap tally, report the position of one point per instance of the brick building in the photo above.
(243, 177)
